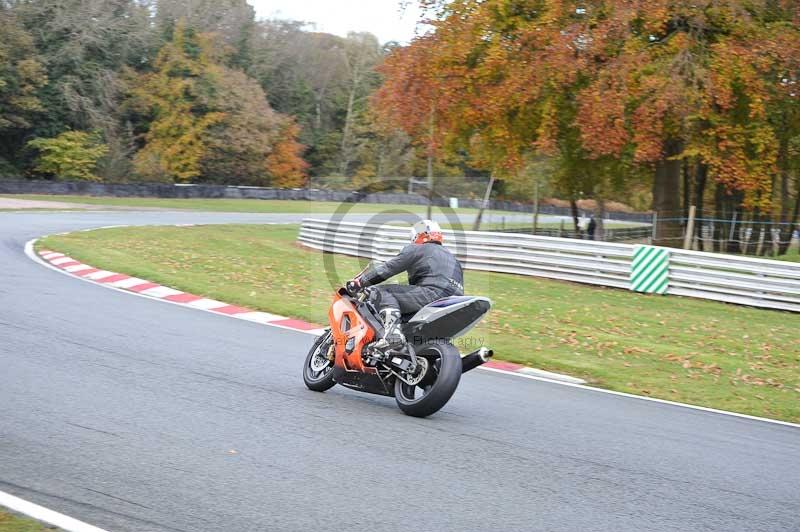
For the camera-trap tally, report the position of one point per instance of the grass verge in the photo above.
(793, 255)
(12, 523)
(232, 205)
(682, 349)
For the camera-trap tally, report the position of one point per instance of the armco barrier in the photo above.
(732, 279)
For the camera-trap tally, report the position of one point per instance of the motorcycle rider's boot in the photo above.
(392, 335)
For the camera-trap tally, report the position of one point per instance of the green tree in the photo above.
(21, 75)
(86, 45)
(72, 155)
(232, 20)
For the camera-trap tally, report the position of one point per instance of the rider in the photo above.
(433, 273)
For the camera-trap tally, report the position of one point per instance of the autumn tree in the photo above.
(690, 84)
(251, 144)
(618, 92)
(413, 98)
(177, 96)
(284, 165)
(491, 80)
(211, 123)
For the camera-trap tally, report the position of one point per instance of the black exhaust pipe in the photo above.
(475, 359)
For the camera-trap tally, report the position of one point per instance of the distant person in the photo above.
(591, 228)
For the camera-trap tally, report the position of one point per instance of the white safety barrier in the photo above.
(728, 278)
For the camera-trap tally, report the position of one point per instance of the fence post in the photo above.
(775, 242)
(655, 225)
(733, 227)
(536, 204)
(760, 245)
(688, 240)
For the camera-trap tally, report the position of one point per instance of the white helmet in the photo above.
(426, 231)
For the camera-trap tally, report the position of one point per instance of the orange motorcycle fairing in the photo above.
(350, 334)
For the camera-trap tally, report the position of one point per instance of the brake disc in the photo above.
(321, 360)
(422, 370)
(319, 363)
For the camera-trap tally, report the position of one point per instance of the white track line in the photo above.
(130, 282)
(102, 274)
(642, 398)
(206, 304)
(41, 513)
(77, 268)
(259, 317)
(160, 291)
(33, 256)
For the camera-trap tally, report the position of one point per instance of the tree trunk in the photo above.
(317, 113)
(751, 241)
(667, 197)
(687, 189)
(355, 83)
(700, 177)
(787, 224)
(348, 126)
(795, 222)
(477, 225)
(719, 214)
(734, 231)
(535, 204)
(430, 185)
(431, 137)
(573, 205)
(599, 216)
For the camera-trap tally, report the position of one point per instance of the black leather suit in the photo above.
(433, 273)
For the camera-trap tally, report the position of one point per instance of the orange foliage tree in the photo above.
(284, 163)
(612, 89)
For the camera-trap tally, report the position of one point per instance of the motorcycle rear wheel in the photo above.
(438, 385)
(319, 380)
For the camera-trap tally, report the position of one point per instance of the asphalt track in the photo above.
(135, 415)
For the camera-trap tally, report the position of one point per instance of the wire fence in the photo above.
(758, 238)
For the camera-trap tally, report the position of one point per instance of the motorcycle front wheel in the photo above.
(442, 374)
(317, 369)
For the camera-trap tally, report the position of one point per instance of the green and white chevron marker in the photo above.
(650, 270)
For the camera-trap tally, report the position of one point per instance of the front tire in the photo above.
(438, 385)
(318, 373)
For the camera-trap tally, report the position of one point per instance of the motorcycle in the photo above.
(421, 375)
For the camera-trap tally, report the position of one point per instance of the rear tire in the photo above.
(437, 387)
(319, 381)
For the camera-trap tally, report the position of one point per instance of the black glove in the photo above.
(353, 287)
